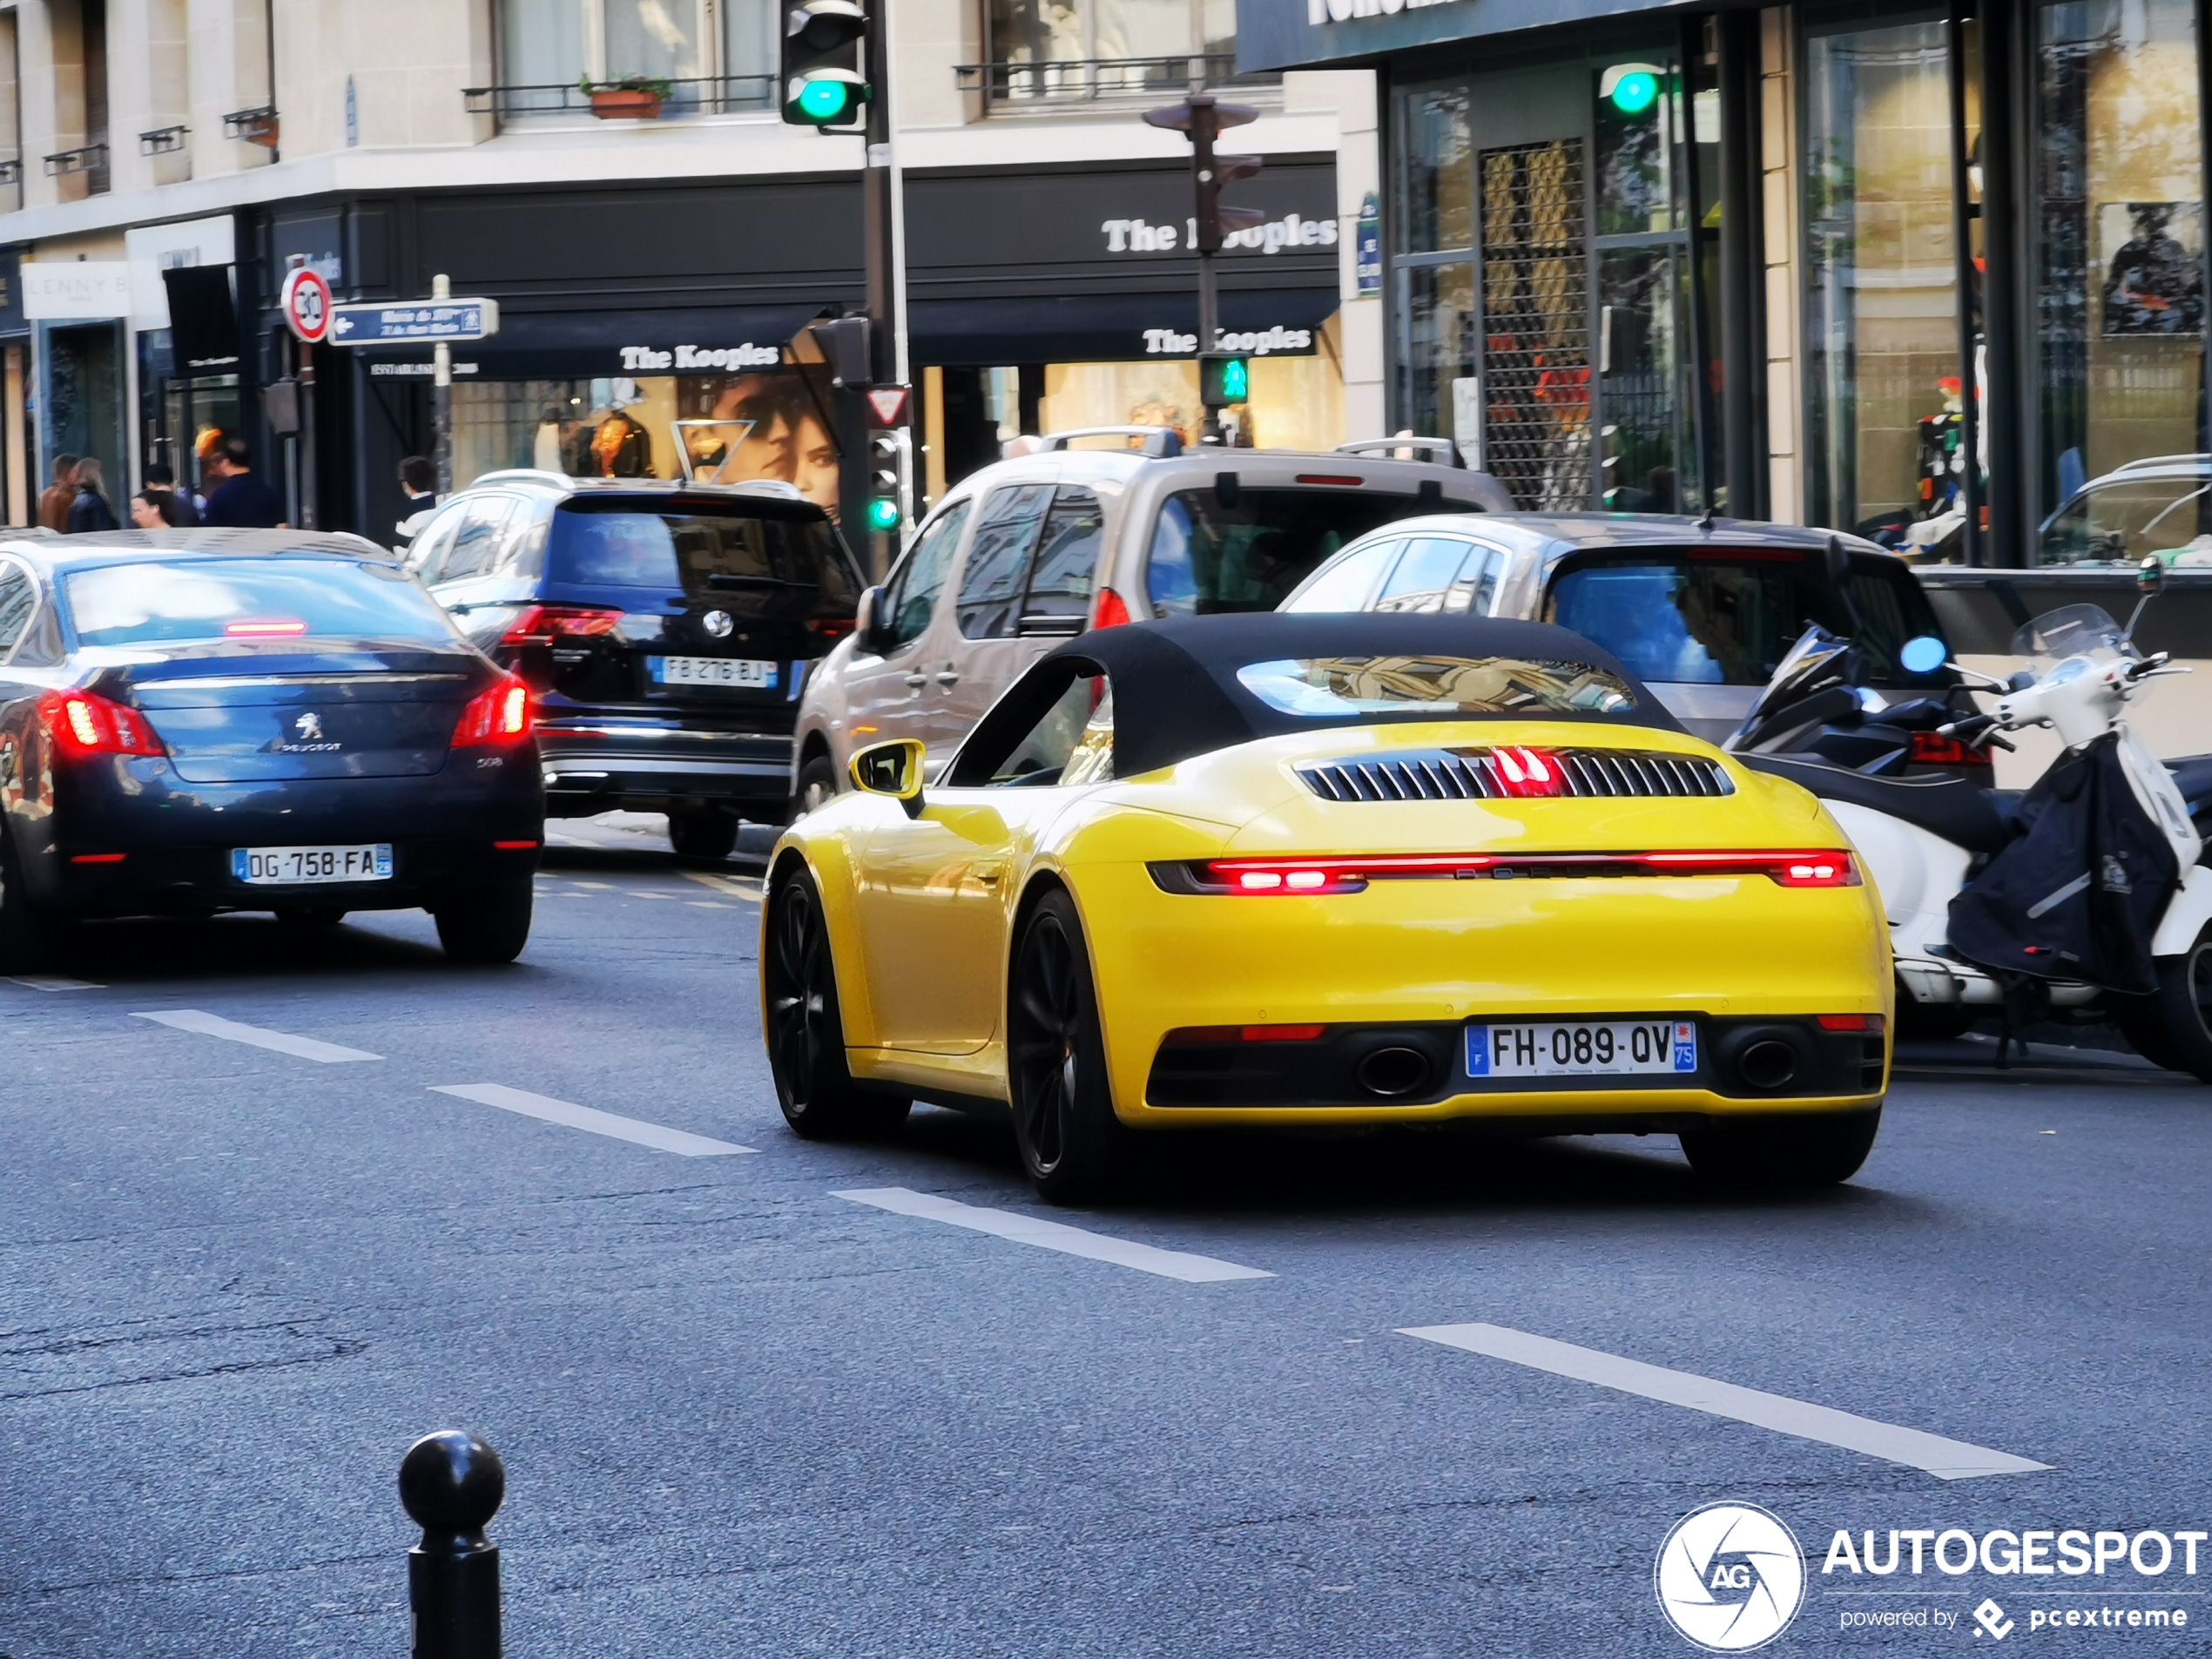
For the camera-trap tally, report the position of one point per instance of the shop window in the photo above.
(912, 598)
(1435, 232)
(1884, 392)
(2121, 227)
(990, 587)
(1436, 199)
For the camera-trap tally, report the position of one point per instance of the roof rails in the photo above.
(2160, 460)
(1158, 440)
(1389, 447)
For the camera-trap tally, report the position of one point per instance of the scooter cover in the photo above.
(2078, 895)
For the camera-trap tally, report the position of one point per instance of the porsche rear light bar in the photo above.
(87, 724)
(1820, 867)
(499, 715)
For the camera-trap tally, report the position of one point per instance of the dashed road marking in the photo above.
(52, 982)
(1947, 1459)
(736, 887)
(213, 1025)
(708, 904)
(660, 1138)
(1053, 1235)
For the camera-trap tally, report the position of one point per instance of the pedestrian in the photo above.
(91, 512)
(419, 480)
(55, 500)
(241, 500)
(176, 509)
(161, 509)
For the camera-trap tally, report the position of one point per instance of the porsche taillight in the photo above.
(1351, 872)
(86, 723)
(499, 715)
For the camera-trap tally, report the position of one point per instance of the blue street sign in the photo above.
(421, 320)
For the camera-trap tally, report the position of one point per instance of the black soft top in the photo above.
(1176, 693)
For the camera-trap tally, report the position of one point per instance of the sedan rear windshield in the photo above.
(787, 563)
(151, 603)
(1210, 555)
(1340, 688)
(1723, 619)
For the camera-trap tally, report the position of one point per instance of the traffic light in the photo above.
(887, 480)
(822, 53)
(1201, 120)
(1223, 378)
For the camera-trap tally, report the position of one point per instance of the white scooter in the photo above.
(1922, 841)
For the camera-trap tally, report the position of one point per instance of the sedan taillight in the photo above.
(86, 723)
(499, 715)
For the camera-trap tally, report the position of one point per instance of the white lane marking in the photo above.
(1053, 1235)
(707, 904)
(50, 982)
(734, 885)
(656, 1136)
(597, 886)
(213, 1025)
(1947, 1459)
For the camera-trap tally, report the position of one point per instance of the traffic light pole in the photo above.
(884, 188)
(1202, 167)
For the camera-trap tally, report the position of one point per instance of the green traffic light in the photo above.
(883, 514)
(825, 100)
(1635, 92)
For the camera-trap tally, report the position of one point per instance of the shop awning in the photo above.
(582, 345)
(1111, 328)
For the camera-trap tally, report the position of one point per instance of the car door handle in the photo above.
(948, 676)
(915, 681)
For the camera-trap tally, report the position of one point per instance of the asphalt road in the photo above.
(741, 1415)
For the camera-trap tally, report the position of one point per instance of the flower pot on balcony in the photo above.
(625, 103)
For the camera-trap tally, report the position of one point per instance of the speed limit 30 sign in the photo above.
(305, 301)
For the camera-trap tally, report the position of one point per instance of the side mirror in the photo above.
(1923, 654)
(892, 769)
(867, 620)
(2150, 576)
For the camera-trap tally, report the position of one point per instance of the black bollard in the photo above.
(451, 1483)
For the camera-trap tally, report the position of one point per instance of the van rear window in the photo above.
(1208, 557)
(760, 561)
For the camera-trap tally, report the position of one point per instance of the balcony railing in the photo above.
(91, 157)
(257, 126)
(163, 141)
(1084, 80)
(706, 95)
(10, 172)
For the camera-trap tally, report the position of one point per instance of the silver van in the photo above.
(1033, 550)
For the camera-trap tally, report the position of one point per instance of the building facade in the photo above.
(163, 163)
(1911, 271)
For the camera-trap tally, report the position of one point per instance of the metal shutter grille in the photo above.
(1536, 324)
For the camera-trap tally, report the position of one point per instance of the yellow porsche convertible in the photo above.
(1264, 870)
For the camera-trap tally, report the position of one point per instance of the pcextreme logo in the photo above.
(1730, 1577)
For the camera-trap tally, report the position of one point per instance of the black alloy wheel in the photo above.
(1072, 1147)
(29, 937)
(815, 1088)
(708, 835)
(487, 925)
(2176, 1020)
(1777, 1153)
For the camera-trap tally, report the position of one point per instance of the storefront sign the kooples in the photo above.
(645, 358)
(1137, 236)
(1321, 11)
(1169, 342)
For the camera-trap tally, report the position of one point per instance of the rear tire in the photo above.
(1072, 1147)
(29, 937)
(2177, 1018)
(817, 785)
(707, 835)
(489, 925)
(1777, 1153)
(806, 1033)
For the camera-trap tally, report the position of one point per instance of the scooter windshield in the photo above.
(2071, 630)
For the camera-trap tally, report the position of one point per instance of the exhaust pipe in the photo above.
(1392, 1073)
(1768, 1064)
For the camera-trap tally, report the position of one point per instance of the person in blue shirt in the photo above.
(240, 500)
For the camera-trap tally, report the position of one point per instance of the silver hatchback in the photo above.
(1033, 550)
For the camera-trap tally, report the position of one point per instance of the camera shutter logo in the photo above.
(1730, 1577)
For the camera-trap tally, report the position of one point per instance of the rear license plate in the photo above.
(284, 866)
(1609, 1047)
(746, 674)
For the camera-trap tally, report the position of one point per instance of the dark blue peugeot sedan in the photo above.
(194, 721)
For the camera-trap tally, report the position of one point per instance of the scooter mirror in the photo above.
(1923, 654)
(2150, 574)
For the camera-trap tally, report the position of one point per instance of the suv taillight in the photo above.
(548, 625)
(87, 724)
(499, 715)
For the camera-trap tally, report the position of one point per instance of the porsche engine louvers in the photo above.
(1500, 774)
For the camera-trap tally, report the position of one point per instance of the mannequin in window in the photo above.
(620, 449)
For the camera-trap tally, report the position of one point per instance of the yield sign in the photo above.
(888, 404)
